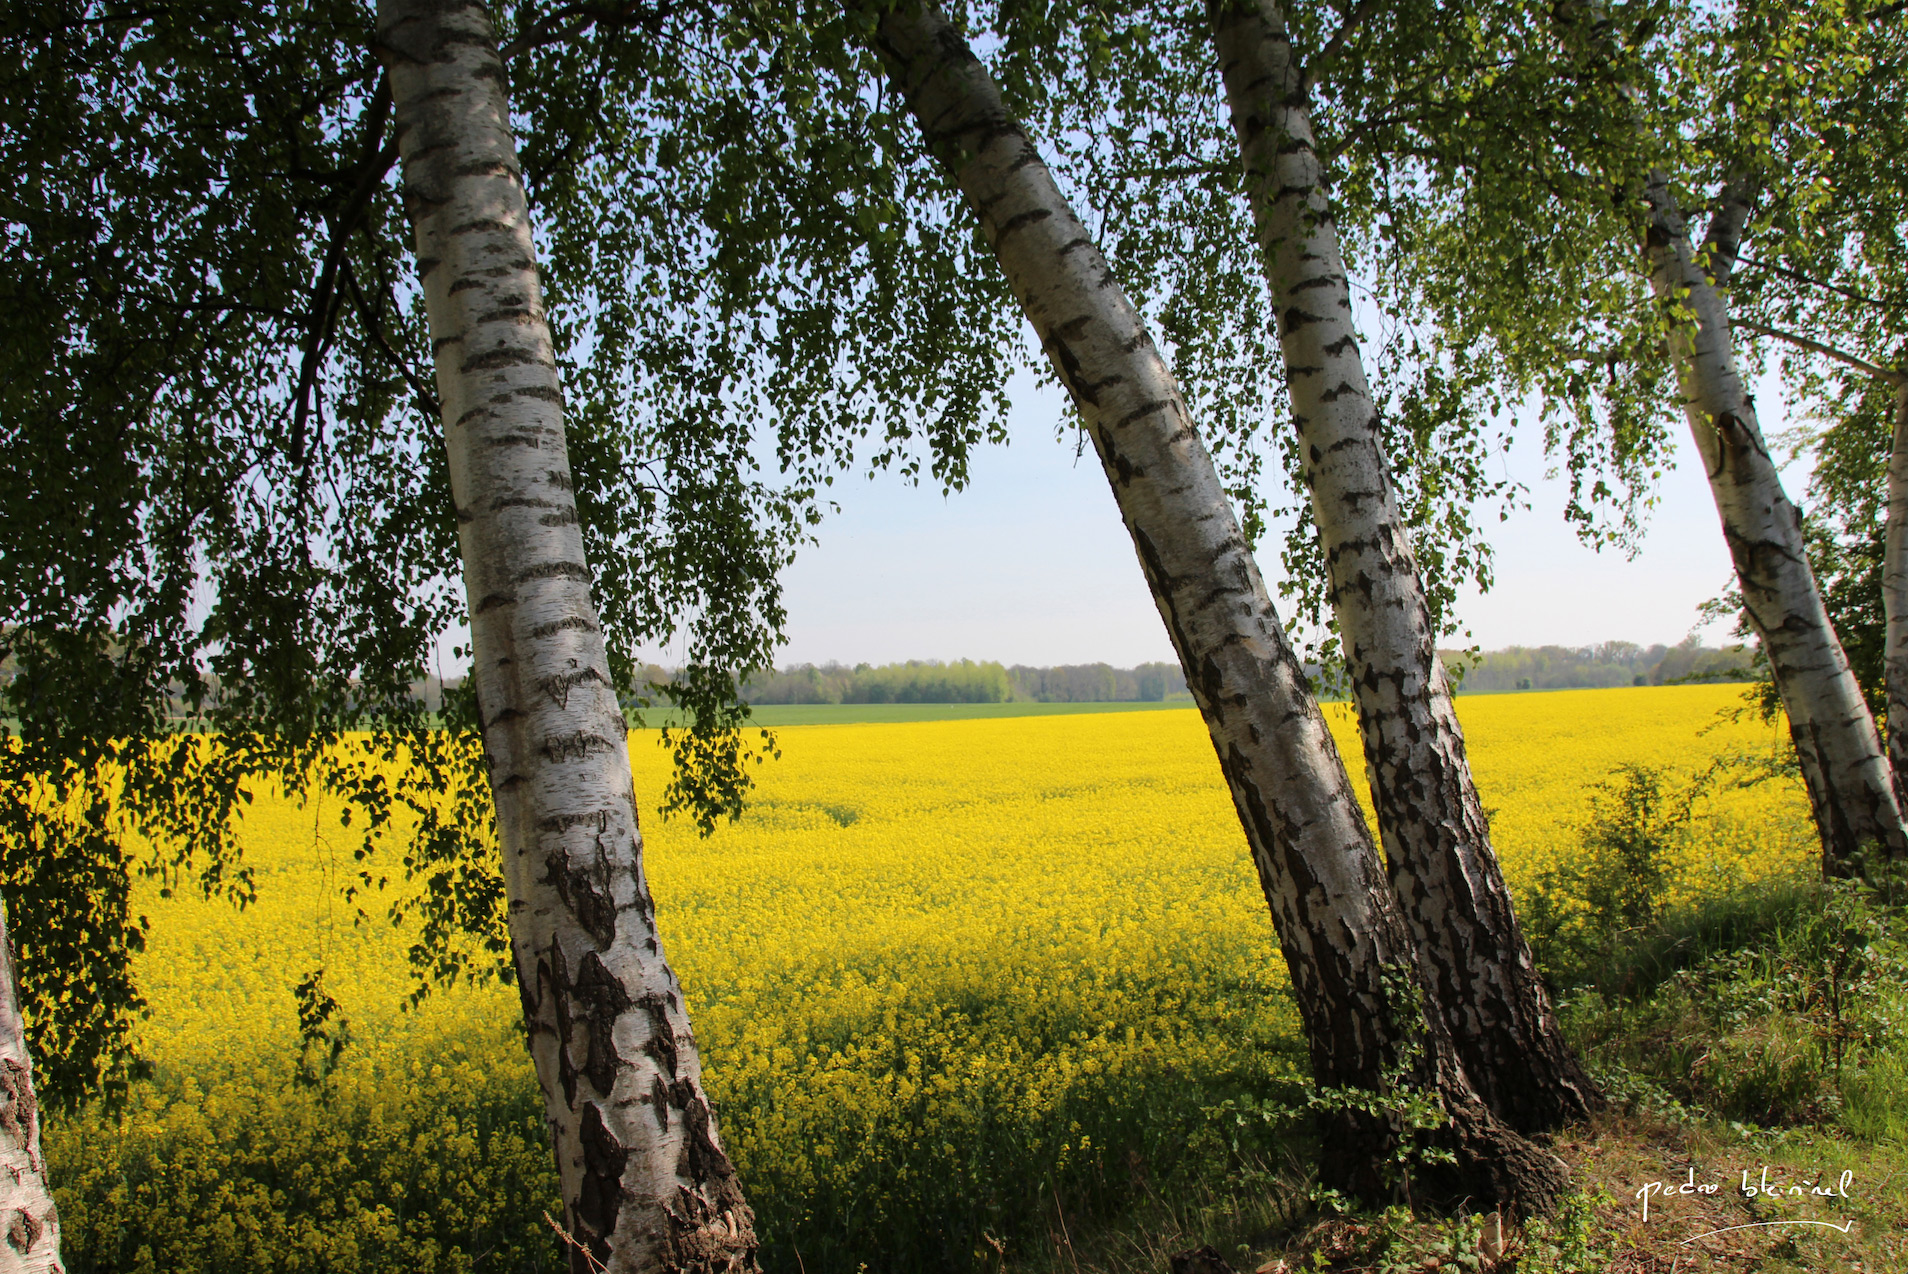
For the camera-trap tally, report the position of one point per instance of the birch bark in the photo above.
(1338, 925)
(1895, 598)
(1851, 790)
(29, 1222)
(646, 1184)
(1437, 841)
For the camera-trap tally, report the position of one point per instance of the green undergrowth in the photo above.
(1754, 1034)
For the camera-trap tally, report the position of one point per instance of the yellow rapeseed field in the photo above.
(935, 966)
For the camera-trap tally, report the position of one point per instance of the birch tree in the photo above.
(29, 1222)
(226, 512)
(646, 1183)
(1345, 943)
(1443, 870)
(1851, 789)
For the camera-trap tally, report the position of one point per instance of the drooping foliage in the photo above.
(226, 509)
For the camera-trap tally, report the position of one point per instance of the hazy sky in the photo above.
(1031, 565)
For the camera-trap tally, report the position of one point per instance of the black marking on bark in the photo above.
(483, 168)
(548, 393)
(558, 687)
(493, 600)
(519, 315)
(24, 1230)
(1071, 367)
(559, 823)
(576, 746)
(585, 891)
(576, 623)
(659, 1101)
(556, 570)
(520, 502)
(515, 438)
(661, 1045)
(560, 479)
(465, 284)
(505, 358)
(602, 998)
(702, 1159)
(566, 517)
(1295, 318)
(600, 1194)
(1020, 222)
(482, 224)
(560, 994)
(1125, 469)
(1143, 411)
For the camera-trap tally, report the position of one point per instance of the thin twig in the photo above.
(1798, 277)
(567, 1237)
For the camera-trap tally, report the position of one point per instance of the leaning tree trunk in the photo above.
(28, 1220)
(1351, 959)
(646, 1185)
(1851, 790)
(1895, 598)
(1436, 838)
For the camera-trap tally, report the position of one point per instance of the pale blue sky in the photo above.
(1031, 565)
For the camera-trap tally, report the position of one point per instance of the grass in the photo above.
(1753, 1050)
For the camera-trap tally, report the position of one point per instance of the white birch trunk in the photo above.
(1851, 789)
(1895, 599)
(1337, 922)
(646, 1185)
(29, 1223)
(1443, 870)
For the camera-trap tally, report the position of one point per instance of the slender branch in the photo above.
(1896, 378)
(1321, 60)
(562, 25)
(426, 401)
(376, 161)
(1798, 277)
(1174, 171)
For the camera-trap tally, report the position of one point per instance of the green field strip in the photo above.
(791, 714)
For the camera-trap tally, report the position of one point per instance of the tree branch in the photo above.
(426, 400)
(1798, 277)
(376, 161)
(1347, 27)
(562, 25)
(1895, 378)
(1723, 244)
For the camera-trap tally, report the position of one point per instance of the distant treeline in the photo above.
(1610, 663)
(929, 681)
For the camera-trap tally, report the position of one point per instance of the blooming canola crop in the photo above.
(938, 972)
